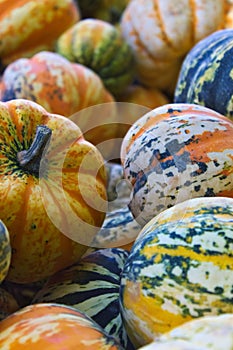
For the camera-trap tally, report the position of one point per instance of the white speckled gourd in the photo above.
(176, 152)
(180, 268)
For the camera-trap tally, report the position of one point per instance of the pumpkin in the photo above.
(53, 327)
(179, 268)
(29, 26)
(98, 45)
(53, 190)
(5, 251)
(203, 72)
(92, 287)
(8, 303)
(106, 10)
(161, 33)
(176, 152)
(207, 332)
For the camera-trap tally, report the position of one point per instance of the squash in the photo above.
(92, 287)
(161, 33)
(8, 303)
(207, 332)
(176, 152)
(98, 45)
(64, 88)
(205, 77)
(180, 268)
(30, 26)
(46, 162)
(5, 251)
(53, 327)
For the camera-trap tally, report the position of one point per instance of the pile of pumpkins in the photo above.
(116, 174)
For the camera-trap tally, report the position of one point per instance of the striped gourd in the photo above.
(179, 268)
(91, 286)
(176, 152)
(206, 333)
(5, 251)
(206, 77)
(99, 45)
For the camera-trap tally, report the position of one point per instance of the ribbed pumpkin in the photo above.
(92, 287)
(53, 327)
(161, 32)
(99, 46)
(176, 152)
(206, 333)
(8, 303)
(179, 268)
(5, 251)
(29, 26)
(206, 74)
(52, 181)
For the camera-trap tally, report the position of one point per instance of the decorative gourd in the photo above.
(8, 304)
(206, 333)
(53, 327)
(46, 162)
(176, 152)
(205, 76)
(5, 251)
(99, 45)
(92, 287)
(161, 32)
(30, 26)
(179, 268)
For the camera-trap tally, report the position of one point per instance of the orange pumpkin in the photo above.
(53, 327)
(52, 181)
(161, 32)
(29, 26)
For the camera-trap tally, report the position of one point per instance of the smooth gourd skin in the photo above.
(40, 209)
(179, 268)
(206, 77)
(53, 326)
(176, 152)
(5, 251)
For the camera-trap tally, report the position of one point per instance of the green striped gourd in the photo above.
(99, 46)
(5, 251)
(206, 76)
(180, 268)
(92, 287)
(206, 333)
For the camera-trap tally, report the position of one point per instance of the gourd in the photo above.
(205, 76)
(92, 287)
(176, 152)
(180, 268)
(98, 45)
(31, 26)
(53, 327)
(5, 251)
(8, 304)
(161, 33)
(207, 333)
(53, 187)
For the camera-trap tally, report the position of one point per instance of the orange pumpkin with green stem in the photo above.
(48, 176)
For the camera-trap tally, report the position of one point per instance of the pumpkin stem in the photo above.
(30, 159)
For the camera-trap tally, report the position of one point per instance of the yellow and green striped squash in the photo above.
(180, 268)
(5, 251)
(206, 76)
(99, 46)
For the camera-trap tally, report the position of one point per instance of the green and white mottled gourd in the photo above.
(205, 333)
(180, 268)
(5, 251)
(92, 286)
(206, 76)
(176, 152)
(99, 46)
